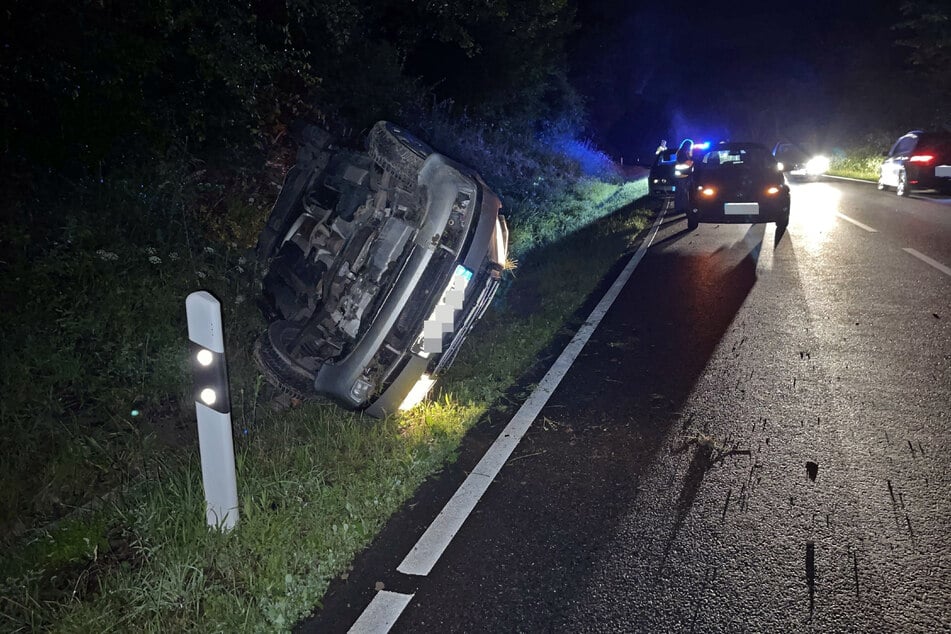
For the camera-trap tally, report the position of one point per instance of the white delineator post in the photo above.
(213, 409)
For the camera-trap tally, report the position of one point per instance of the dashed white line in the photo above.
(382, 613)
(924, 258)
(848, 178)
(856, 222)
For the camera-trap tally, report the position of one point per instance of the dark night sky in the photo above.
(751, 69)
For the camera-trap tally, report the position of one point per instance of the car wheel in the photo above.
(279, 366)
(692, 221)
(398, 152)
(902, 189)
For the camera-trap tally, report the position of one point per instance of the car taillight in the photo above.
(772, 191)
(921, 158)
(709, 192)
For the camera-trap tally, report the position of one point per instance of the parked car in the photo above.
(918, 160)
(661, 183)
(668, 179)
(378, 264)
(738, 182)
(799, 162)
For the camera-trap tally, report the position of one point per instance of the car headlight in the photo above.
(817, 165)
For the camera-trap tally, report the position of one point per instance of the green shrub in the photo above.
(863, 159)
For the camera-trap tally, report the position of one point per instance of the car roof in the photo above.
(785, 145)
(738, 145)
(928, 134)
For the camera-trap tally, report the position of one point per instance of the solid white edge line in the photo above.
(924, 258)
(855, 222)
(431, 545)
(381, 614)
(847, 178)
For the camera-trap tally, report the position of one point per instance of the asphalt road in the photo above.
(756, 438)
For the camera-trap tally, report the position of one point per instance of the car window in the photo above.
(904, 145)
(789, 152)
(738, 157)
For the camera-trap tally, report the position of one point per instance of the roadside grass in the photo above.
(100, 336)
(863, 159)
(861, 164)
(93, 348)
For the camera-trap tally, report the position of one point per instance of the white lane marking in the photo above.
(924, 258)
(855, 222)
(381, 614)
(430, 547)
(847, 178)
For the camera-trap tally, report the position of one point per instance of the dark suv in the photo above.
(378, 263)
(918, 160)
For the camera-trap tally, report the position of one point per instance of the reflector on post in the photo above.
(213, 409)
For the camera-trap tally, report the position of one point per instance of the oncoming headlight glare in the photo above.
(817, 165)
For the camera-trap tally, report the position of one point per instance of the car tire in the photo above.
(397, 152)
(902, 189)
(692, 221)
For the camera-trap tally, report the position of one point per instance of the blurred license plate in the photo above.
(943, 171)
(741, 209)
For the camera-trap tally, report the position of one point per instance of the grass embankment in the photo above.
(862, 161)
(96, 400)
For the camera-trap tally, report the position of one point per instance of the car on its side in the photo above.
(738, 183)
(378, 265)
(798, 162)
(918, 160)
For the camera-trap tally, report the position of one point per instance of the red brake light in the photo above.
(921, 158)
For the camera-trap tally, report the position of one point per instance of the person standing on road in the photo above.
(661, 148)
(683, 172)
(685, 152)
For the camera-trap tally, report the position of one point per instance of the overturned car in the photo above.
(378, 264)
